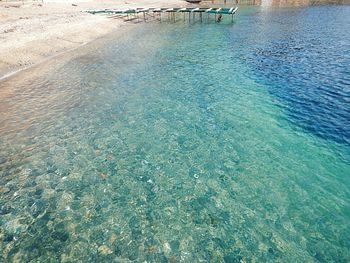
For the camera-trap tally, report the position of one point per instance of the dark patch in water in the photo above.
(307, 68)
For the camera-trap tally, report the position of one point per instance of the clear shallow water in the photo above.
(180, 147)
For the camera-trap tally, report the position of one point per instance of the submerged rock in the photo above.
(60, 235)
(104, 250)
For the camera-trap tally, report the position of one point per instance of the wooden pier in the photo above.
(146, 13)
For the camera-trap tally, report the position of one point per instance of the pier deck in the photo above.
(171, 11)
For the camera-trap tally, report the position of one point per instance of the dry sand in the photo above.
(30, 32)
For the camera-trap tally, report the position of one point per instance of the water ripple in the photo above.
(308, 68)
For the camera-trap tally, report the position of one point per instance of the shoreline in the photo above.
(15, 72)
(32, 32)
(121, 29)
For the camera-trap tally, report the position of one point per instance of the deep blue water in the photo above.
(304, 57)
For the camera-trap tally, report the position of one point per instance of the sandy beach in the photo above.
(30, 32)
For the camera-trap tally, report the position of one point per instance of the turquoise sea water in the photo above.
(184, 143)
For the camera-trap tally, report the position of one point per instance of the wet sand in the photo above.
(31, 32)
